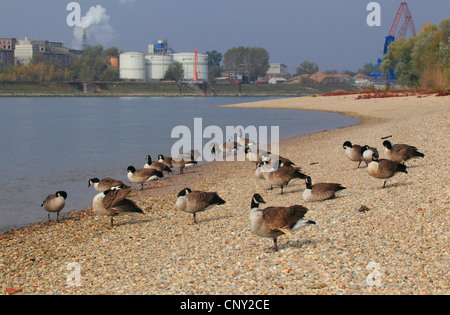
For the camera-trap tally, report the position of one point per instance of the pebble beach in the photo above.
(391, 241)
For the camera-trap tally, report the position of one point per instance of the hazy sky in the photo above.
(332, 33)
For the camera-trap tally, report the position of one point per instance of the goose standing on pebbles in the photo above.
(282, 175)
(113, 203)
(143, 175)
(55, 203)
(353, 152)
(106, 184)
(156, 165)
(197, 201)
(384, 169)
(320, 191)
(401, 152)
(272, 222)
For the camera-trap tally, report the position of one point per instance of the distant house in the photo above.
(277, 70)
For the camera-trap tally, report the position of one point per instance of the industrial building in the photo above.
(153, 65)
(24, 49)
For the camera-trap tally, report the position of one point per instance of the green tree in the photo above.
(399, 58)
(94, 64)
(422, 60)
(307, 67)
(253, 62)
(444, 28)
(174, 72)
(214, 57)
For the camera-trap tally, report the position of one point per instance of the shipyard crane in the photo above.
(408, 23)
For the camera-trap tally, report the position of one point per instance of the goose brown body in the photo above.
(283, 175)
(384, 169)
(113, 203)
(197, 201)
(273, 222)
(320, 191)
(401, 152)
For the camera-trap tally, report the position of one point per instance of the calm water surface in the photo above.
(51, 144)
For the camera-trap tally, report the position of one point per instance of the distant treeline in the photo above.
(423, 60)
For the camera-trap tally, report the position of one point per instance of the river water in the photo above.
(59, 143)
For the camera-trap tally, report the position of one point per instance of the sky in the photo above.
(332, 33)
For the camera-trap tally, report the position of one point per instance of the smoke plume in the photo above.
(96, 24)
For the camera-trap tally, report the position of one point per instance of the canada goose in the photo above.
(367, 153)
(384, 169)
(245, 142)
(55, 203)
(226, 147)
(262, 169)
(181, 163)
(113, 202)
(256, 156)
(106, 184)
(353, 152)
(197, 201)
(166, 160)
(283, 175)
(156, 165)
(272, 222)
(320, 191)
(401, 152)
(143, 175)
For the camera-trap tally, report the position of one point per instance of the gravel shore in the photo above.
(401, 239)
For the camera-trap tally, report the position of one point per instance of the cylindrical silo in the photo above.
(188, 61)
(157, 65)
(132, 66)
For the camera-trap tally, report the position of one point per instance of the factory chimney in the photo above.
(84, 38)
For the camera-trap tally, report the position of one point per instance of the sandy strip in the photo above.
(402, 240)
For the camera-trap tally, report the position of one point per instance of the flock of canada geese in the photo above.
(270, 222)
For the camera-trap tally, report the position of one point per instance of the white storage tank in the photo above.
(157, 65)
(188, 62)
(132, 66)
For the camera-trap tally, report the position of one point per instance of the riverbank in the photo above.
(404, 232)
(156, 89)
